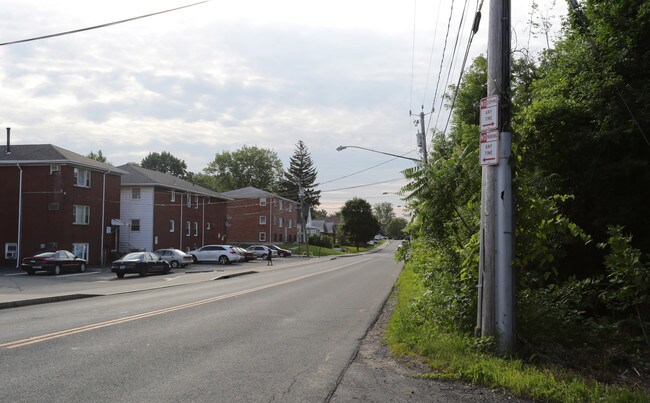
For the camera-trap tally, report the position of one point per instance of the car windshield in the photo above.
(132, 256)
(45, 254)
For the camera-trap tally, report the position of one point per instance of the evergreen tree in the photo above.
(301, 173)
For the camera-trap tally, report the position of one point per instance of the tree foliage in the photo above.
(248, 166)
(166, 163)
(582, 174)
(98, 157)
(301, 173)
(395, 229)
(384, 212)
(359, 224)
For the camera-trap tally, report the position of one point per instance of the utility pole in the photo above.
(496, 304)
(423, 137)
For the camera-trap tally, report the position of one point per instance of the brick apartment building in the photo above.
(163, 211)
(258, 216)
(53, 198)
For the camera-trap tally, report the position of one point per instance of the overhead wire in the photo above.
(453, 56)
(442, 60)
(475, 25)
(102, 25)
(433, 44)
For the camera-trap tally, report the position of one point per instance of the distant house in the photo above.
(258, 216)
(53, 198)
(158, 210)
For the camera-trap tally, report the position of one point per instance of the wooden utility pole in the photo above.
(496, 304)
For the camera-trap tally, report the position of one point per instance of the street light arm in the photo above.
(340, 148)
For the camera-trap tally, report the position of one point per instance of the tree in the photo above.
(166, 163)
(98, 157)
(248, 166)
(384, 212)
(301, 173)
(318, 214)
(395, 229)
(358, 221)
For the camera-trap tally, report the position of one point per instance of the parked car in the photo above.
(54, 262)
(247, 255)
(281, 252)
(224, 254)
(262, 251)
(139, 262)
(175, 257)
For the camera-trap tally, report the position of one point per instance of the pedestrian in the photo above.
(269, 262)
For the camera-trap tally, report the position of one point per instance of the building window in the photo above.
(54, 169)
(208, 227)
(280, 204)
(280, 222)
(188, 228)
(196, 201)
(11, 250)
(135, 224)
(81, 215)
(262, 219)
(290, 222)
(290, 206)
(189, 200)
(262, 236)
(173, 199)
(82, 177)
(262, 201)
(172, 226)
(196, 228)
(135, 193)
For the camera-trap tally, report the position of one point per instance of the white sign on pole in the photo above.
(489, 154)
(489, 113)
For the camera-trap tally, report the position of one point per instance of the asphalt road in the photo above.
(279, 335)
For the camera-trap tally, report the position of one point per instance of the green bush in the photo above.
(324, 241)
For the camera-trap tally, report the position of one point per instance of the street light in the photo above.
(340, 148)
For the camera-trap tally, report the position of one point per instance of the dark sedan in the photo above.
(139, 263)
(54, 262)
(281, 252)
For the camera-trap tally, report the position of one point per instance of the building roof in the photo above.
(138, 176)
(251, 192)
(47, 154)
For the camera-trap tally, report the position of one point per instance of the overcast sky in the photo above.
(224, 74)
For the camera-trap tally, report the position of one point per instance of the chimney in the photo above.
(8, 140)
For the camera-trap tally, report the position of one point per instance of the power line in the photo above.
(100, 26)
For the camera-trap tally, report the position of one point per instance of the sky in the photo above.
(221, 75)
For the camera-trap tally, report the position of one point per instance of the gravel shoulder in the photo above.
(374, 375)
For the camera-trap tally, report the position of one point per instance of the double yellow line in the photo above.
(94, 326)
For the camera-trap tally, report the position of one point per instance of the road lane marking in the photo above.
(126, 319)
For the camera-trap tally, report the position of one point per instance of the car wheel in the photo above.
(166, 269)
(264, 256)
(31, 272)
(194, 259)
(223, 260)
(143, 272)
(57, 270)
(120, 274)
(82, 268)
(173, 264)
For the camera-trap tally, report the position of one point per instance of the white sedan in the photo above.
(224, 254)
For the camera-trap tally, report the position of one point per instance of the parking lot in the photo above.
(17, 288)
